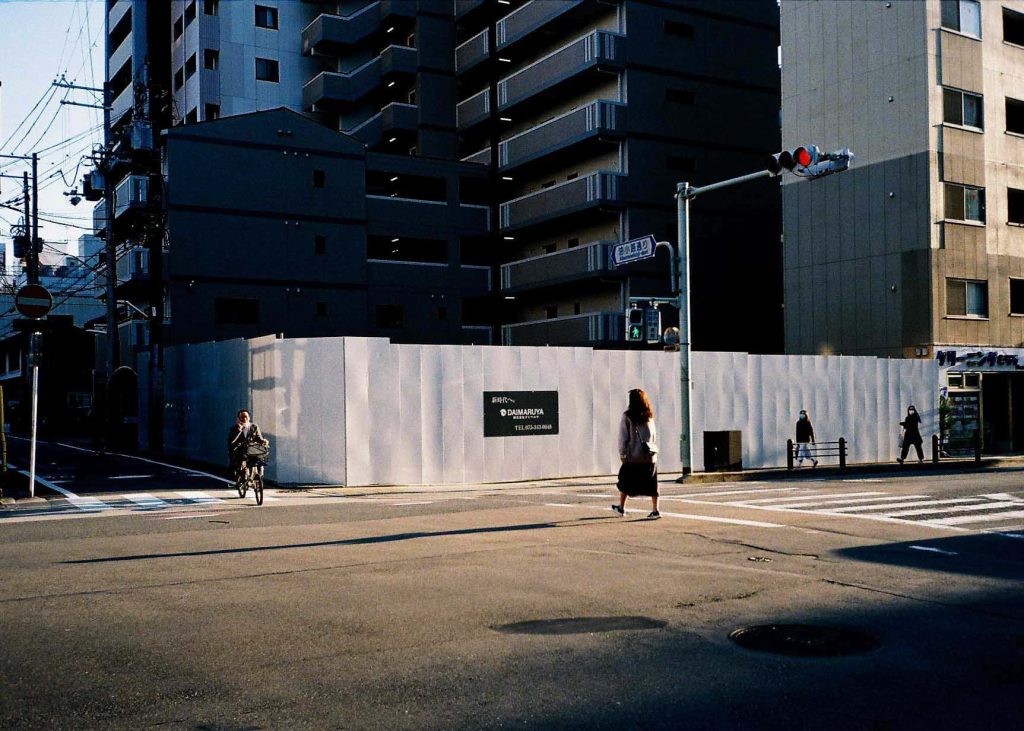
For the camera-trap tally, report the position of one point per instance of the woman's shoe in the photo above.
(618, 509)
(654, 515)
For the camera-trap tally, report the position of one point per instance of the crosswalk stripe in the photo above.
(828, 504)
(912, 504)
(985, 505)
(146, 501)
(961, 519)
(739, 492)
(805, 497)
(198, 497)
(89, 504)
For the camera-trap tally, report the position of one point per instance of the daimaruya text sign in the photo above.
(520, 413)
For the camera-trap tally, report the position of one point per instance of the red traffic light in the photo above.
(802, 157)
(798, 157)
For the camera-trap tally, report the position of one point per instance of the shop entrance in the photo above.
(1002, 413)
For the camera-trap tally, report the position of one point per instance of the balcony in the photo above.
(429, 216)
(597, 119)
(472, 52)
(329, 34)
(590, 329)
(131, 194)
(122, 104)
(99, 219)
(600, 49)
(481, 157)
(597, 189)
(335, 89)
(117, 11)
(530, 17)
(395, 117)
(473, 110)
(559, 267)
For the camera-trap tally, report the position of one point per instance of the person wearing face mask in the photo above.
(911, 435)
(804, 439)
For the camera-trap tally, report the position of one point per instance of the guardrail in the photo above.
(837, 448)
(944, 448)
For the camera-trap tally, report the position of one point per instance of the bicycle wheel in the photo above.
(257, 487)
(241, 483)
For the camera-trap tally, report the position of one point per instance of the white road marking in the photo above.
(411, 502)
(801, 498)
(738, 492)
(131, 477)
(984, 505)
(827, 504)
(912, 504)
(180, 516)
(962, 519)
(146, 501)
(199, 497)
(685, 516)
(934, 550)
(89, 504)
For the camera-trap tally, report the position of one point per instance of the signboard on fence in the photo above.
(520, 413)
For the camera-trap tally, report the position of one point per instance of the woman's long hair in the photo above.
(639, 411)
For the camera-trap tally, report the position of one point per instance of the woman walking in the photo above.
(911, 435)
(638, 451)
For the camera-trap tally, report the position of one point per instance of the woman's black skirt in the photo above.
(638, 479)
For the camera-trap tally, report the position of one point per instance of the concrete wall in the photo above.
(360, 411)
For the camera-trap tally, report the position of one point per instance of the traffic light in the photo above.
(634, 324)
(653, 325)
(828, 163)
(795, 160)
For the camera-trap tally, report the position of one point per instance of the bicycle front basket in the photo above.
(257, 450)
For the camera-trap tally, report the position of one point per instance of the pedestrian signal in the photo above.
(634, 324)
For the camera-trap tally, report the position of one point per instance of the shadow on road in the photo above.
(994, 556)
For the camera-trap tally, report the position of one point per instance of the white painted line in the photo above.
(146, 501)
(1003, 496)
(89, 504)
(827, 504)
(1018, 536)
(863, 479)
(912, 504)
(199, 497)
(984, 505)
(412, 502)
(731, 521)
(737, 492)
(934, 550)
(962, 519)
(187, 515)
(805, 497)
(131, 477)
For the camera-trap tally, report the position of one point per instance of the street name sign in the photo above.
(33, 300)
(633, 250)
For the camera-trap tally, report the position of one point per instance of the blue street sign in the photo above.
(633, 250)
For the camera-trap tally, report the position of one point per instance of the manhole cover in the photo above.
(803, 640)
(580, 625)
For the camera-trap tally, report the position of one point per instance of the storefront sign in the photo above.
(520, 413)
(979, 359)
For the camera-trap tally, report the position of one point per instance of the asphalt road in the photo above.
(513, 606)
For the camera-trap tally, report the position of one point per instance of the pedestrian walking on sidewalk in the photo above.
(638, 451)
(804, 439)
(911, 435)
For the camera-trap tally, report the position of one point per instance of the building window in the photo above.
(1015, 116)
(675, 28)
(680, 96)
(211, 59)
(963, 16)
(550, 248)
(573, 242)
(231, 311)
(577, 308)
(211, 7)
(1015, 206)
(190, 66)
(193, 116)
(267, 70)
(965, 203)
(966, 298)
(321, 309)
(211, 111)
(190, 12)
(179, 27)
(390, 316)
(1016, 296)
(266, 17)
(319, 178)
(319, 245)
(960, 107)
(681, 163)
(179, 79)
(551, 312)
(1013, 27)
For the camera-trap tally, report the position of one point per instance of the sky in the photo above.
(40, 42)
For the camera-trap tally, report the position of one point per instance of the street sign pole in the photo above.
(34, 360)
(683, 284)
(33, 302)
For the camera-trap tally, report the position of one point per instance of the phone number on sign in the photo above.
(533, 427)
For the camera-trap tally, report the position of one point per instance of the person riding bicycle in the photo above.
(243, 433)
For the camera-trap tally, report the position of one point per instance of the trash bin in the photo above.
(723, 451)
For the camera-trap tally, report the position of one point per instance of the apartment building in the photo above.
(918, 250)
(588, 113)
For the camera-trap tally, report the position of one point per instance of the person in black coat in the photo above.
(804, 439)
(911, 434)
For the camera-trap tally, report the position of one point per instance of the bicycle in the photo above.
(251, 475)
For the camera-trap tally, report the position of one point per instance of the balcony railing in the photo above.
(472, 52)
(473, 110)
(122, 104)
(481, 157)
(600, 188)
(340, 88)
(99, 218)
(533, 15)
(392, 118)
(597, 118)
(327, 32)
(589, 329)
(471, 220)
(561, 266)
(598, 49)
(117, 11)
(130, 194)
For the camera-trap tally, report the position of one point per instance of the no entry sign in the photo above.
(33, 300)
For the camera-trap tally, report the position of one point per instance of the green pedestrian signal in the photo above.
(635, 324)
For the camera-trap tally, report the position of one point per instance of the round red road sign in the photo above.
(33, 300)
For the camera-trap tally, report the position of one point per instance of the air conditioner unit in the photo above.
(142, 136)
